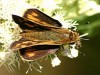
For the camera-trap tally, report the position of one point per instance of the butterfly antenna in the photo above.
(83, 35)
(81, 53)
(84, 39)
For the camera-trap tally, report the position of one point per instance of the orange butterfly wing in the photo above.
(37, 16)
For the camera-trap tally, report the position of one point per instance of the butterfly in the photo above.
(41, 35)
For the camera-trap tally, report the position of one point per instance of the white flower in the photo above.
(74, 52)
(51, 5)
(3, 56)
(55, 61)
(70, 51)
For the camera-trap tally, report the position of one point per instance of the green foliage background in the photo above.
(82, 65)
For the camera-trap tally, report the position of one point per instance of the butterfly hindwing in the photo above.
(36, 52)
(34, 55)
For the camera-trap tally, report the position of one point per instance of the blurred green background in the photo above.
(88, 64)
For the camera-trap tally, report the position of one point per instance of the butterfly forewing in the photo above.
(23, 44)
(30, 25)
(41, 18)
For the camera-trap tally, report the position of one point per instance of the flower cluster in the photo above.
(9, 32)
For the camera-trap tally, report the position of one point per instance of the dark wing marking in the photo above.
(41, 18)
(28, 24)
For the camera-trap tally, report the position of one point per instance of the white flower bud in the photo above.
(55, 61)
